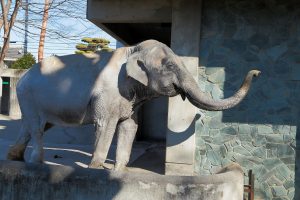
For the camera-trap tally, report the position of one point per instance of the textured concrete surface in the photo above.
(30, 181)
(185, 38)
(64, 146)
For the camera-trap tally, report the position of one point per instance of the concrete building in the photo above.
(220, 40)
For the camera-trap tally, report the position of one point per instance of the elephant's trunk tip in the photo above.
(255, 72)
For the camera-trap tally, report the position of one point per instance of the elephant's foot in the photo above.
(120, 167)
(16, 152)
(96, 165)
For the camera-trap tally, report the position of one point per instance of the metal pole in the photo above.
(26, 28)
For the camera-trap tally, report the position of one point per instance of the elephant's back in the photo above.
(62, 82)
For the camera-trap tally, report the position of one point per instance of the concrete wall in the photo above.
(12, 105)
(29, 181)
(262, 133)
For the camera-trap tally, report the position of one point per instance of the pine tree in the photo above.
(93, 45)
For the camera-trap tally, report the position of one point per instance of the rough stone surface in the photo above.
(262, 133)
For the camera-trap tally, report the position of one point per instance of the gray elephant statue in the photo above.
(105, 89)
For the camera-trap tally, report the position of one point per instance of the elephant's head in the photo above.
(156, 66)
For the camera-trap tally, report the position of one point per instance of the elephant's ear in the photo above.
(136, 69)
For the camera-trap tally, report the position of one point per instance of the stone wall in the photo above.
(260, 133)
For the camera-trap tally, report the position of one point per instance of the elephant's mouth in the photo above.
(180, 91)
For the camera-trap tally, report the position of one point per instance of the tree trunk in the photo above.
(5, 9)
(43, 31)
(8, 25)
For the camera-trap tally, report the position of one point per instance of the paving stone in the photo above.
(247, 145)
(271, 153)
(273, 181)
(289, 184)
(241, 150)
(263, 129)
(217, 77)
(207, 139)
(216, 124)
(279, 191)
(291, 193)
(272, 163)
(259, 140)
(212, 70)
(292, 167)
(288, 160)
(214, 158)
(274, 138)
(279, 176)
(245, 129)
(245, 137)
(229, 130)
(217, 93)
(214, 132)
(288, 138)
(222, 138)
(281, 198)
(284, 171)
(259, 152)
(226, 161)
(285, 151)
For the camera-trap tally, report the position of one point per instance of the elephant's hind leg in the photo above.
(16, 152)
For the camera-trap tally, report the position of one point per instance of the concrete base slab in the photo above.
(32, 181)
(64, 146)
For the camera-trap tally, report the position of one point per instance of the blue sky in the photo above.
(64, 21)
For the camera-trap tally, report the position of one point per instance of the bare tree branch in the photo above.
(7, 27)
(43, 31)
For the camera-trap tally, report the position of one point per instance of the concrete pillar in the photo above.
(185, 39)
(14, 108)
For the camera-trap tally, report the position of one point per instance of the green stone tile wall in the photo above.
(261, 133)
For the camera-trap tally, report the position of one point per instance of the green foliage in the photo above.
(25, 62)
(93, 45)
(81, 47)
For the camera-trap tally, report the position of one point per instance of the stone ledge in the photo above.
(31, 181)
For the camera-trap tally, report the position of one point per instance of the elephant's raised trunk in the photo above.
(201, 100)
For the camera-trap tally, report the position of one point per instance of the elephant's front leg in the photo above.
(104, 134)
(126, 133)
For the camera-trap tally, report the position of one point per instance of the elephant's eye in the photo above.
(170, 65)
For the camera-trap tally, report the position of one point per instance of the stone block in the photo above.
(274, 138)
(279, 191)
(289, 184)
(217, 77)
(273, 181)
(245, 137)
(264, 129)
(229, 131)
(216, 92)
(222, 138)
(284, 171)
(285, 151)
(245, 129)
(291, 193)
(288, 160)
(214, 157)
(259, 152)
(259, 140)
(272, 163)
(241, 150)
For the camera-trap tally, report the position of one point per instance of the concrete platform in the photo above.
(33, 181)
(74, 147)
(65, 174)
